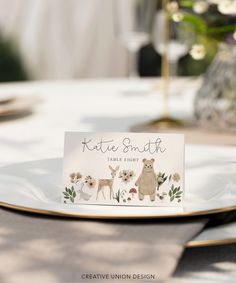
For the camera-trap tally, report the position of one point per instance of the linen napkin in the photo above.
(44, 249)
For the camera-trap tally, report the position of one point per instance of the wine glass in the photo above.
(133, 21)
(179, 43)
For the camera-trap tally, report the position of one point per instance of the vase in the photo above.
(215, 102)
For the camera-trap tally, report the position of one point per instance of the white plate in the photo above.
(210, 188)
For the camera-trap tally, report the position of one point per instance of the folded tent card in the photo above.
(140, 169)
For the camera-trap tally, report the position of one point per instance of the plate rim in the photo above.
(72, 214)
(208, 243)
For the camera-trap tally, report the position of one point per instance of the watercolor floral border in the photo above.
(124, 195)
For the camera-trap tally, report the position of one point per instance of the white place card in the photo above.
(140, 169)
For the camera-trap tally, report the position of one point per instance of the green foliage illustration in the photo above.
(69, 194)
(175, 193)
(161, 178)
(119, 195)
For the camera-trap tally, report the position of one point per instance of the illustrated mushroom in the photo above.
(128, 199)
(133, 191)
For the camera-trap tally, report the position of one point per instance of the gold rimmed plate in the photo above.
(36, 187)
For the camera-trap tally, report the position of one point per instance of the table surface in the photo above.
(108, 105)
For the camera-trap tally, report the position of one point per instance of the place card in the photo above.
(140, 169)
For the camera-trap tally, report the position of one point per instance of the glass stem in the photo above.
(174, 68)
(165, 61)
(133, 63)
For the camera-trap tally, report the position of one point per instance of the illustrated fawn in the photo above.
(107, 183)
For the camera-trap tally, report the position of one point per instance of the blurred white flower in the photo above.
(198, 51)
(200, 7)
(173, 7)
(177, 17)
(214, 1)
(234, 7)
(227, 7)
(234, 35)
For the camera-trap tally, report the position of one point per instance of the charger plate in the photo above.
(219, 235)
(210, 185)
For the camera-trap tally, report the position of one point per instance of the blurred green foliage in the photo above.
(187, 66)
(212, 24)
(11, 65)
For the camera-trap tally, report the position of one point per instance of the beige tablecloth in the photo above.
(44, 249)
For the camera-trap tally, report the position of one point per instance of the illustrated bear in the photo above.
(147, 181)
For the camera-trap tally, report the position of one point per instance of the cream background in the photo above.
(95, 163)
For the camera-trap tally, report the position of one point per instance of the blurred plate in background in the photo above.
(11, 105)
